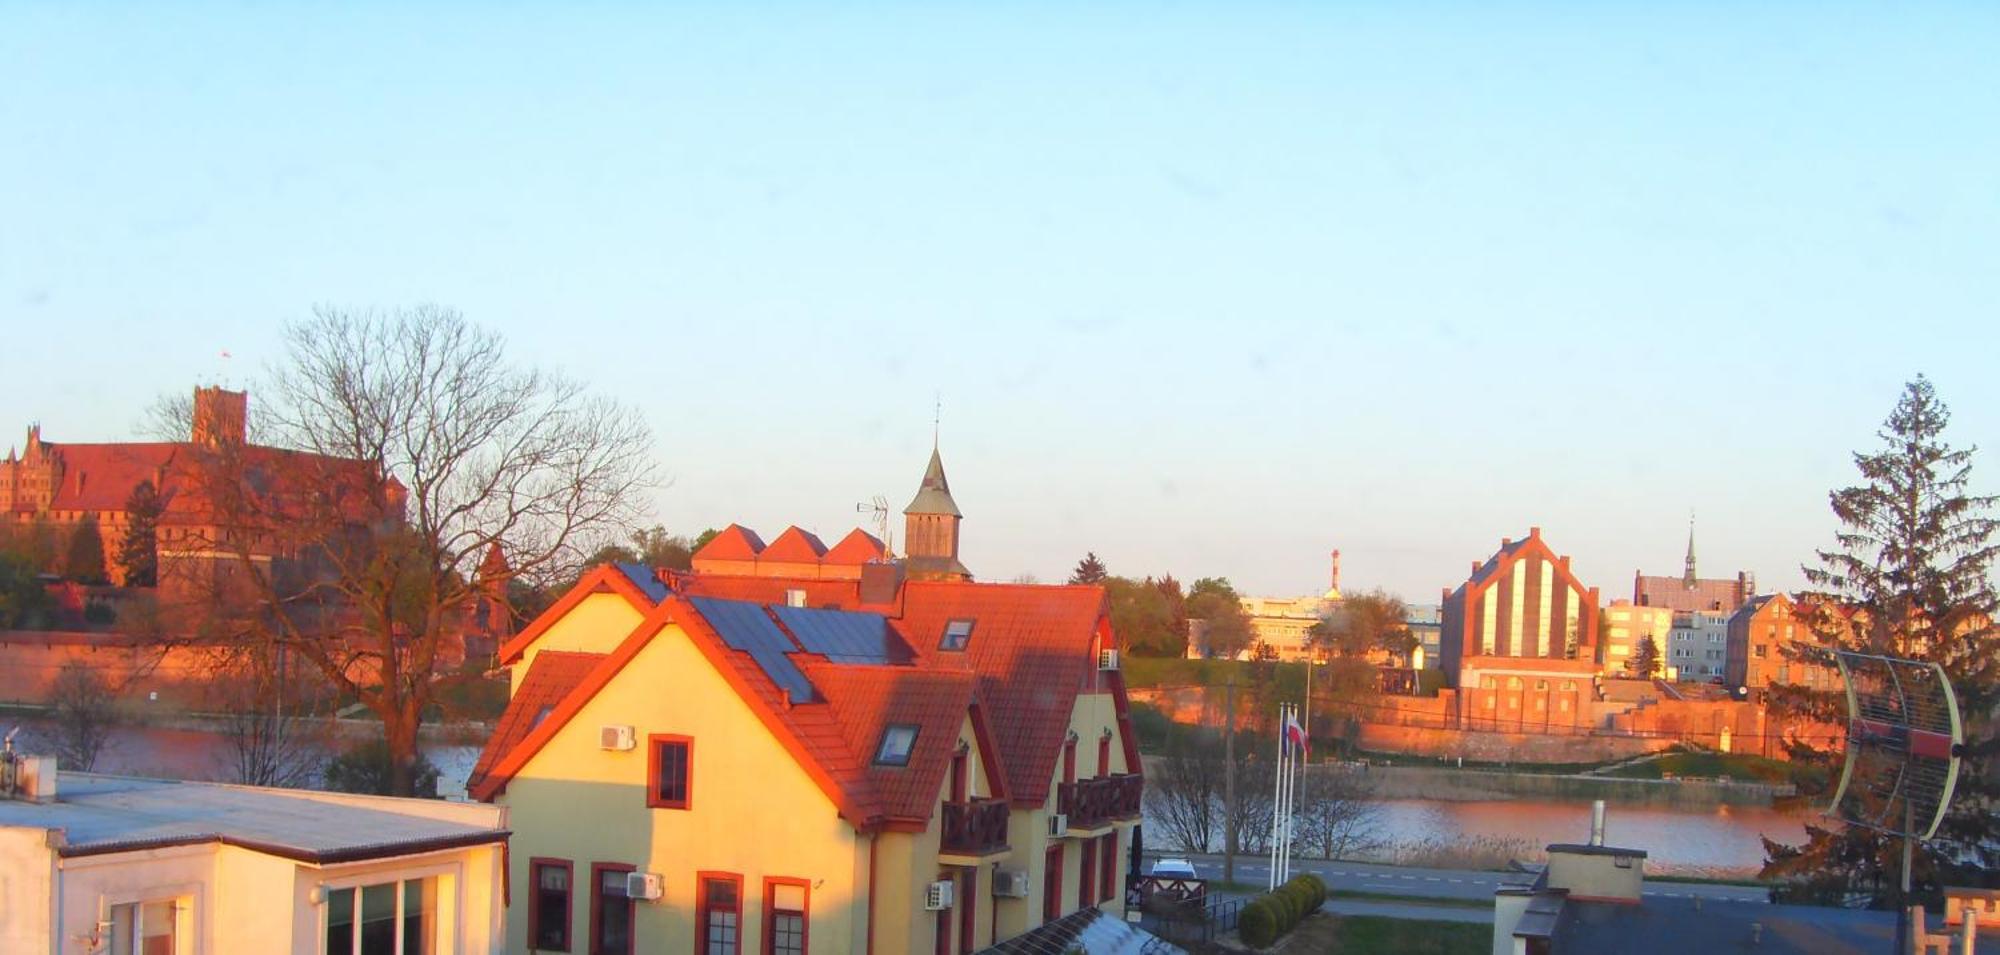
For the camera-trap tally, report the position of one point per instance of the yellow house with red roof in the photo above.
(762, 762)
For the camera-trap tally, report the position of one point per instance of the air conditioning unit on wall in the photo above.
(1107, 659)
(619, 738)
(1010, 883)
(645, 886)
(1058, 825)
(937, 896)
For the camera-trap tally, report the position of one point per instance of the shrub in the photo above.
(1317, 885)
(1256, 924)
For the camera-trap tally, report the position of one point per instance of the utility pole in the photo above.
(1229, 781)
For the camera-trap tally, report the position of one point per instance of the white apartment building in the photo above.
(1698, 645)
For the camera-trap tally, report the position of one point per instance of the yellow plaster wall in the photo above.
(754, 812)
(597, 624)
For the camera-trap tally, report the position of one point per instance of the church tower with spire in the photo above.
(930, 528)
(1689, 577)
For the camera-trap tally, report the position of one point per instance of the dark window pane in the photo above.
(672, 784)
(788, 933)
(552, 907)
(339, 921)
(614, 913)
(378, 919)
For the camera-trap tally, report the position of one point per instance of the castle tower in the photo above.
(220, 417)
(930, 528)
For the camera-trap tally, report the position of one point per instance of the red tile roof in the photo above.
(100, 477)
(1031, 652)
(795, 544)
(601, 579)
(866, 700)
(769, 590)
(553, 676)
(736, 542)
(1033, 649)
(858, 547)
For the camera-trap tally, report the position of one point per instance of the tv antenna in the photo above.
(1904, 740)
(879, 507)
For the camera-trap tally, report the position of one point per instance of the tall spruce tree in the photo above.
(139, 552)
(1645, 660)
(1089, 570)
(1908, 576)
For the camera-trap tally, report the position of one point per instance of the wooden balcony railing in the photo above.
(1093, 802)
(975, 828)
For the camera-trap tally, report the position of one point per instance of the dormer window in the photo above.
(898, 741)
(957, 634)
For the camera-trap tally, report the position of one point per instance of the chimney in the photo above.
(1534, 531)
(220, 417)
(1597, 822)
(1334, 584)
(1506, 542)
(880, 583)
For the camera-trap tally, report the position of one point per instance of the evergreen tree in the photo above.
(1908, 577)
(1645, 660)
(1089, 570)
(139, 553)
(84, 562)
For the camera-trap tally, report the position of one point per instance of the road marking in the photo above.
(1459, 881)
(1432, 878)
(1377, 885)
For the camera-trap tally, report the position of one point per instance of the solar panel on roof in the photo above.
(844, 636)
(747, 627)
(643, 577)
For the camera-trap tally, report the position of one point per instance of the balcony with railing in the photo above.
(974, 832)
(1097, 803)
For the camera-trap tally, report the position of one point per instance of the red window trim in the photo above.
(1104, 755)
(1052, 863)
(535, 903)
(961, 786)
(653, 799)
(1107, 866)
(701, 880)
(1069, 761)
(1086, 873)
(597, 870)
(771, 884)
(968, 903)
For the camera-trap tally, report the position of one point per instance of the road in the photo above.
(1440, 883)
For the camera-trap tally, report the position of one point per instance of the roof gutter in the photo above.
(309, 856)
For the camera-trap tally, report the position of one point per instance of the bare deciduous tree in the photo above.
(367, 572)
(1336, 814)
(1184, 791)
(275, 735)
(84, 712)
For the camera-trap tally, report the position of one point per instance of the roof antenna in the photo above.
(880, 508)
(937, 415)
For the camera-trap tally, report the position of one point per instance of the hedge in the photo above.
(1268, 917)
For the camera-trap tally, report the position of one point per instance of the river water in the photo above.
(1723, 840)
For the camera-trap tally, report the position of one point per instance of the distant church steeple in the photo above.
(930, 527)
(1689, 579)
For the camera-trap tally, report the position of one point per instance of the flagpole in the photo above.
(1291, 796)
(1284, 833)
(1277, 800)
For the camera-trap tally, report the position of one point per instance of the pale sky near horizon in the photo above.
(1208, 289)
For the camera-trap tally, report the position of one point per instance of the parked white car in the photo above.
(1174, 869)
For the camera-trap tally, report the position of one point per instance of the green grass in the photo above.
(1360, 896)
(1708, 765)
(1373, 933)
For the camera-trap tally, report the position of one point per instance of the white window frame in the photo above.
(185, 897)
(450, 908)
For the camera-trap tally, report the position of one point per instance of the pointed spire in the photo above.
(934, 495)
(1689, 579)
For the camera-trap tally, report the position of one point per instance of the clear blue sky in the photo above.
(1206, 288)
